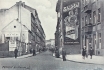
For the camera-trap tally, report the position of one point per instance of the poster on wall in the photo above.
(71, 22)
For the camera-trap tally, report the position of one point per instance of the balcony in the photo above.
(88, 28)
(87, 9)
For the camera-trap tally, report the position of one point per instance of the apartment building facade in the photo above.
(21, 27)
(92, 27)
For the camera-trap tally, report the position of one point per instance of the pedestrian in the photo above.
(34, 52)
(91, 52)
(16, 52)
(30, 50)
(84, 52)
(64, 55)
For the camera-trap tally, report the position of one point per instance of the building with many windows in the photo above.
(92, 25)
(50, 44)
(21, 28)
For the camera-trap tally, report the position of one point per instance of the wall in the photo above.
(26, 17)
(72, 49)
(6, 18)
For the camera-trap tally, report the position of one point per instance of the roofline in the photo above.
(8, 24)
(8, 8)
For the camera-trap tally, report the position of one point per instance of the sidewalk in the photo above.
(25, 56)
(28, 55)
(78, 58)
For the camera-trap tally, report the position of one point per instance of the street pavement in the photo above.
(44, 61)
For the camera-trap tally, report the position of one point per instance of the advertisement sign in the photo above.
(71, 22)
(12, 43)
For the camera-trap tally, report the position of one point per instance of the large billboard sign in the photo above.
(71, 20)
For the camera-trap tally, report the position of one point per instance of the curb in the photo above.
(82, 62)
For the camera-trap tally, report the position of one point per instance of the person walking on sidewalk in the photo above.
(15, 52)
(34, 52)
(84, 52)
(64, 55)
(91, 52)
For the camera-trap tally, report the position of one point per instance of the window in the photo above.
(89, 18)
(14, 26)
(86, 1)
(99, 15)
(85, 20)
(94, 17)
(16, 38)
(99, 36)
(90, 38)
(82, 2)
(95, 39)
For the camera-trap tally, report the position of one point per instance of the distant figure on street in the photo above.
(30, 50)
(64, 55)
(34, 52)
(84, 52)
(91, 52)
(57, 55)
(16, 52)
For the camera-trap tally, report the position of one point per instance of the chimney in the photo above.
(19, 10)
(23, 4)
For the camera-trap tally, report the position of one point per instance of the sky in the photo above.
(46, 12)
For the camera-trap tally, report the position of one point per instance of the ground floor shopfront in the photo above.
(94, 39)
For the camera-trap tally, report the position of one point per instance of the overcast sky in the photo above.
(46, 13)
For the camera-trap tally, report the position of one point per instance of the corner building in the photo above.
(67, 35)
